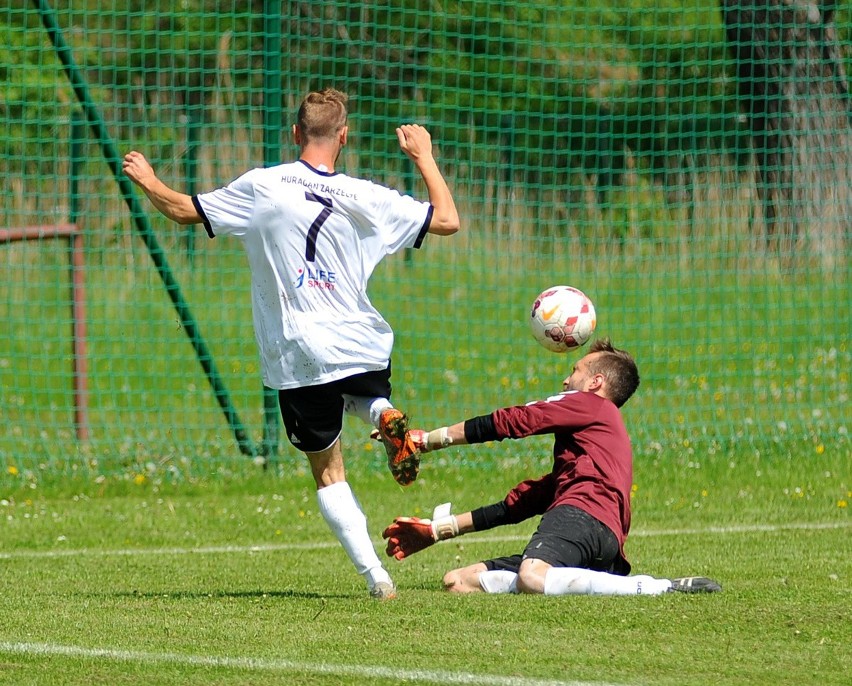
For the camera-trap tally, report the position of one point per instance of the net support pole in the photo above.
(272, 124)
(78, 292)
(140, 220)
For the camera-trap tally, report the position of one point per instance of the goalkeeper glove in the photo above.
(408, 535)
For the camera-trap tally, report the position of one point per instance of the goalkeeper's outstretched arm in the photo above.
(409, 535)
(475, 430)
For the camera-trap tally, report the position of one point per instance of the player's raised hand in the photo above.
(137, 168)
(415, 141)
(174, 205)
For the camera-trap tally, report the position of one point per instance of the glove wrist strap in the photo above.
(438, 439)
(445, 527)
(444, 524)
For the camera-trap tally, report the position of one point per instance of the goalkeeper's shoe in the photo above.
(403, 456)
(695, 584)
(383, 590)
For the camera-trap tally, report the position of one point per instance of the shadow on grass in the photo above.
(195, 595)
(423, 586)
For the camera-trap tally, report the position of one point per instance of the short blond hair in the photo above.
(322, 114)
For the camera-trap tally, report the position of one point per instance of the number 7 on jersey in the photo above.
(313, 232)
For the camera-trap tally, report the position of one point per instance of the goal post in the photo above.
(77, 279)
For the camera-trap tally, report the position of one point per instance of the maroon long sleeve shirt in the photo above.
(592, 459)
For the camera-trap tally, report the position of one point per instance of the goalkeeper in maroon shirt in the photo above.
(584, 501)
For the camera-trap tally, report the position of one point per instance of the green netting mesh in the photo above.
(686, 165)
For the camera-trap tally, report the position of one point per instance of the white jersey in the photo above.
(313, 239)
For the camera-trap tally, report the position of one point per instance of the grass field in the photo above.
(234, 578)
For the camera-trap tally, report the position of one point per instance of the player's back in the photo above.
(306, 224)
(313, 239)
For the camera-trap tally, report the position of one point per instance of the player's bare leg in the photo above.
(464, 579)
(346, 519)
(531, 575)
(327, 465)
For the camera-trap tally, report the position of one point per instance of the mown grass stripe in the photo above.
(470, 539)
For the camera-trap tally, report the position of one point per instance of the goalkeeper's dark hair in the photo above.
(618, 368)
(322, 114)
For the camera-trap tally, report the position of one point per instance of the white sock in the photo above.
(576, 581)
(498, 581)
(349, 524)
(368, 410)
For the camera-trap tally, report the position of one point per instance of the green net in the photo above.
(688, 167)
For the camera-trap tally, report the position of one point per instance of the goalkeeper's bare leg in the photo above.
(344, 516)
(464, 579)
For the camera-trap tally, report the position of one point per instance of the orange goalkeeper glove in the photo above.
(409, 535)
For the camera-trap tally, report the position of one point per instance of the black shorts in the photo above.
(313, 415)
(568, 537)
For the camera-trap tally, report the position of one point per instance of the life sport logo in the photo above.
(316, 278)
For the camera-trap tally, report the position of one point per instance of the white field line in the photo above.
(470, 539)
(394, 674)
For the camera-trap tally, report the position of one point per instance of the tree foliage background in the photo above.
(558, 96)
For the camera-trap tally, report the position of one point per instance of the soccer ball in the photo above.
(562, 318)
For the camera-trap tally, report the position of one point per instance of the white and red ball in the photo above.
(562, 318)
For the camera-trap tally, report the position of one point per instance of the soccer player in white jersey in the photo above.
(313, 237)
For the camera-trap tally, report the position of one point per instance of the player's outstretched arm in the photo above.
(176, 206)
(409, 535)
(437, 439)
(416, 143)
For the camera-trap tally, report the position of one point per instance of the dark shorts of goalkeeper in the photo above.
(568, 537)
(313, 415)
